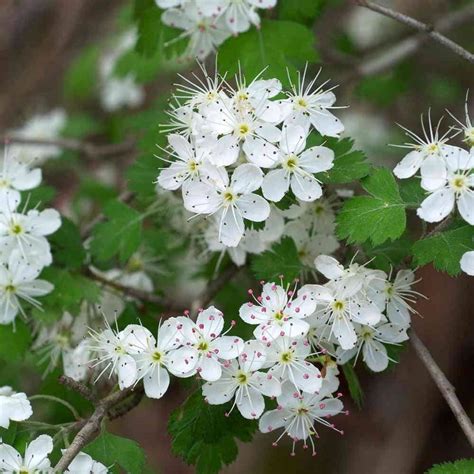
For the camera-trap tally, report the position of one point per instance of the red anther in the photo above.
(281, 277)
(259, 299)
(306, 376)
(269, 376)
(322, 406)
(347, 412)
(267, 298)
(292, 454)
(233, 322)
(201, 326)
(342, 433)
(274, 445)
(297, 310)
(250, 291)
(290, 293)
(305, 446)
(282, 333)
(259, 354)
(274, 287)
(296, 395)
(262, 282)
(200, 310)
(226, 414)
(339, 395)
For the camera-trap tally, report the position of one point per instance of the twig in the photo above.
(91, 150)
(91, 426)
(78, 387)
(428, 30)
(444, 386)
(407, 47)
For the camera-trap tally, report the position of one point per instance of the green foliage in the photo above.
(81, 125)
(353, 384)
(66, 245)
(80, 80)
(378, 217)
(349, 164)
(389, 254)
(15, 339)
(300, 11)
(120, 235)
(463, 466)
(139, 174)
(281, 259)
(445, 249)
(411, 192)
(115, 451)
(202, 435)
(278, 45)
(38, 197)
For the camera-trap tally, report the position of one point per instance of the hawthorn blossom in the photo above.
(278, 312)
(430, 154)
(297, 413)
(35, 460)
(286, 357)
(13, 406)
(232, 202)
(84, 464)
(467, 263)
(310, 106)
(154, 356)
(456, 188)
(296, 167)
(371, 341)
(19, 281)
(243, 380)
(204, 345)
(26, 233)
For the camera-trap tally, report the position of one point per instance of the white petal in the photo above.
(246, 178)
(43, 223)
(210, 322)
(466, 206)
(326, 123)
(457, 158)
(268, 132)
(375, 356)
(344, 332)
(272, 420)
(172, 178)
(182, 362)
(409, 165)
(253, 207)
(228, 347)
(251, 403)
(275, 185)
(37, 451)
(260, 152)
(316, 159)
(253, 356)
(219, 392)
(328, 266)
(293, 139)
(433, 173)
(10, 459)
(305, 188)
(437, 205)
(226, 151)
(231, 227)
(368, 314)
(200, 198)
(156, 383)
(209, 368)
(267, 384)
(307, 378)
(467, 263)
(274, 296)
(126, 371)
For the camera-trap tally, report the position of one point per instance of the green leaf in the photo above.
(119, 235)
(38, 197)
(277, 45)
(349, 164)
(445, 249)
(142, 174)
(81, 125)
(378, 217)
(14, 340)
(81, 78)
(353, 383)
(463, 466)
(66, 245)
(390, 254)
(111, 450)
(281, 259)
(301, 11)
(411, 192)
(204, 436)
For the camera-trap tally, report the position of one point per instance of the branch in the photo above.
(444, 386)
(91, 150)
(429, 30)
(91, 426)
(409, 46)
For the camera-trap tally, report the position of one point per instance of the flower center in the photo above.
(4, 183)
(62, 339)
(291, 162)
(202, 26)
(286, 357)
(16, 229)
(432, 148)
(338, 305)
(302, 411)
(469, 136)
(459, 182)
(318, 209)
(193, 166)
(10, 288)
(119, 350)
(135, 264)
(300, 102)
(242, 378)
(203, 346)
(157, 356)
(243, 130)
(279, 315)
(367, 334)
(389, 289)
(229, 197)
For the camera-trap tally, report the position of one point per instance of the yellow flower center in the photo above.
(338, 305)
(243, 130)
(286, 357)
(157, 356)
(291, 162)
(432, 148)
(242, 378)
(202, 346)
(301, 102)
(229, 197)
(10, 288)
(279, 316)
(16, 229)
(458, 182)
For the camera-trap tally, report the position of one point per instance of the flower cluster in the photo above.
(118, 92)
(233, 151)
(208, 24)
(279, 363)
(16, 406)
(24, 248)
(447, 174)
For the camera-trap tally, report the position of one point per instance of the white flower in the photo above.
(112, 349)
(297, 413)
(395, 297)
(234, 201)
(153, 356)
(430, 155)
(340, 304)
(308, 106)
(13, 407)
(190, 165)
(372, 343)
(84, 464)
(39, 127)
(35, 460)
(26, 234)
(455, 187)
(75, 361)
(242, 379)
(19, 282)
(296, 167)
(204, 345)
(467, 263)
(286, 357)
(15, 176)
(205, 34)
(278, 313)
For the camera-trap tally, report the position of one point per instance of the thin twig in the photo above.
(90, 150)
(78, 387)
(444, 386)
(428, 30)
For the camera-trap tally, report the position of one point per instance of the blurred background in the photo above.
(404, 425)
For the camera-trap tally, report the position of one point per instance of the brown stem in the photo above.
(78, 387)
(428, 30)
(444, 386)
